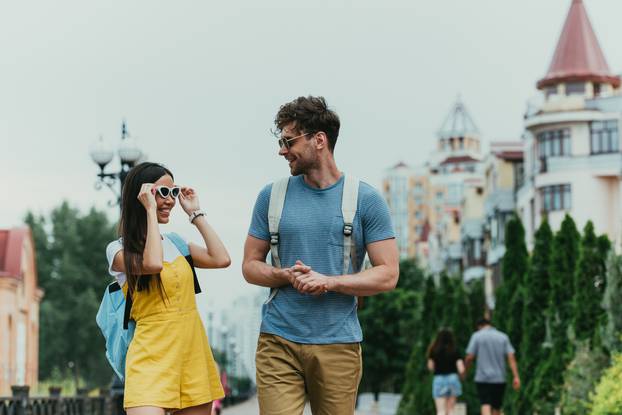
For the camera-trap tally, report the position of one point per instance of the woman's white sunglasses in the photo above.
(164, 191)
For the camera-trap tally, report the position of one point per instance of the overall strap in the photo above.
(275, 210)
(184, 249)
(128, 309)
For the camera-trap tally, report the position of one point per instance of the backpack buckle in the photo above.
(347, 229)
(274, 238)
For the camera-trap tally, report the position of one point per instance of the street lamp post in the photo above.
(224, 331)
(102, 154)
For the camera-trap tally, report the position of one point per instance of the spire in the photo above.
(578, 56)
(458, 123)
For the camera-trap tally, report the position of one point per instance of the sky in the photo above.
(199, 83)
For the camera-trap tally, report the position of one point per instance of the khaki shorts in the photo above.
(288, 373)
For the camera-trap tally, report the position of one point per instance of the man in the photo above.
(310, 333)
(491, 348)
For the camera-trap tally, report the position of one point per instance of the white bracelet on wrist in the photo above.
(195, 215)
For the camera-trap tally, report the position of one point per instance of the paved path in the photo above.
(251, 407)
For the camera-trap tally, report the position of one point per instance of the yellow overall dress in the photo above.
(169, 362)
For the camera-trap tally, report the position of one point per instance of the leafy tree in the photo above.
(607, 397)
(582, 374)
(412, 277)
(72, 271)
(387, 320)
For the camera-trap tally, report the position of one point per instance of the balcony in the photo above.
(499, 200)
(611, 103)
(601, 165)
(495, 255)
(474, 273)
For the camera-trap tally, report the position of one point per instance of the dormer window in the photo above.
(575, 88)
(550, 90)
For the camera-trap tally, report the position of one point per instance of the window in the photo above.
(477, 250)
(519, 175)
(554, 143)
(575, 88)
(550, 90)
(555, 197)
(604, 137)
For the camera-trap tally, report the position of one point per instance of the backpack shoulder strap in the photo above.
(275, 210)
(183, 247)
(179, 243)
(349, 201)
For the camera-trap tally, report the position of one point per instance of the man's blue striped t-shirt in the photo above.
(311, 230)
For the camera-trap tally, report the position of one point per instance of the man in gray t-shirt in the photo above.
(491, 348)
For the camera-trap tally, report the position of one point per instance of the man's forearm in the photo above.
(372, 281)
(259, 273)
(513, 366)
(468, 362)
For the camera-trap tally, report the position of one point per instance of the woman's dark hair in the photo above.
(133, 225)
(311, 115)
(443, 344)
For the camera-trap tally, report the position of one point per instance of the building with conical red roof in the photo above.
(571, 142)
(20, 297)
(579, 63)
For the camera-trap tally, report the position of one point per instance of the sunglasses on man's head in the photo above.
(164, 191)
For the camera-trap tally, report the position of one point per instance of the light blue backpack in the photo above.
(113, 316)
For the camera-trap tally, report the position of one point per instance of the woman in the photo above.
(169, 365)
(446, 364)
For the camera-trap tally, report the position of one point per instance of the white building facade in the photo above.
(572, 153)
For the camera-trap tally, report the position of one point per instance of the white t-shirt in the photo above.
(169, 250)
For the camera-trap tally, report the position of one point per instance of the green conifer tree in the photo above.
(612, 304)
(509, 296)
(535, 304)
(417, 389)
(548, 379)
(589, 284)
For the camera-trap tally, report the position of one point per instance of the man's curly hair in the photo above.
(311, 115)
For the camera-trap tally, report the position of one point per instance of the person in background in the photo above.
(491, 348)
(447, 365)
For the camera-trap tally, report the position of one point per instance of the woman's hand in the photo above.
(146, 196)
(189, 200)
